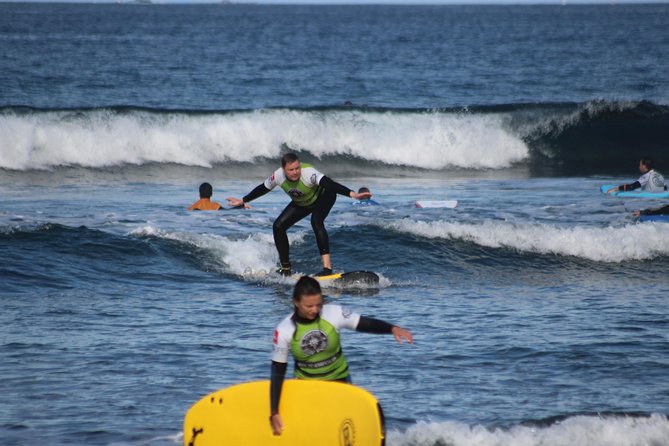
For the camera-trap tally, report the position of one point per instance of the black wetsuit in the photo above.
(664, 210)
(327, 195)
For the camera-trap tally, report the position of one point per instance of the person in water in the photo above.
(365, 201)
(205, 203)
(311, 192)
(650, 180)
(662, 210)
(311, 334)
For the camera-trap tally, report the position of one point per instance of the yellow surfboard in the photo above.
(322, 413)
(349, 279)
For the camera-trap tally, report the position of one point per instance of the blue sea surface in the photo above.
(538, 305)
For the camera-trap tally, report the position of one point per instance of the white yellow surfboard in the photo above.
(322, 413)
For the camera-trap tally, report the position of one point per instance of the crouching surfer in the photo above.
(311, 192)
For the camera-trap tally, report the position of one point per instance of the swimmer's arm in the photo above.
(240, 206)
(663, 210)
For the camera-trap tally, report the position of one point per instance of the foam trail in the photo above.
(253, 256)
(574, 431)
(609, 244)
(101, 138)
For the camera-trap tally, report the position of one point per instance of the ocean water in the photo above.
(538, 305)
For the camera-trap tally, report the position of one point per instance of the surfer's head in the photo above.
(363, 190)
(646, 164)
(291, 166)
(206, 190)
(307, 298)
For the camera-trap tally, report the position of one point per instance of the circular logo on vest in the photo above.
(314, 342)
(657, 181)
(347, 433)
(295, 193)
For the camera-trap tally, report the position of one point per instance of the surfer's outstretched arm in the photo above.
(371, 325)
(329, 184)
(259, 191)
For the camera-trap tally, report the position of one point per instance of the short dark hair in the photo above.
(288, 158)
(648, 162)
(363, 190)
(306, 286)
(206, 190)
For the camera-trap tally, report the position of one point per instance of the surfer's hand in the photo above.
(613, 189)
(277, 423)
(361, 195)
(401, 333)
(234, 202)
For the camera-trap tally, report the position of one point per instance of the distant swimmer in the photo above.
(205, 203)
(650, 180)
(311, 192)
(311, 334)
(365, 201)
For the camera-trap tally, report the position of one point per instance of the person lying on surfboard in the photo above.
(311, 192)
(311, 334)
(662, 210)
(650, 180)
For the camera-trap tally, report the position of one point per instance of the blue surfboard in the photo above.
(633, 193)
(656, 218)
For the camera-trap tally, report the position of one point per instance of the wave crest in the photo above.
(101, 138)
(577, 430)
(609, 244)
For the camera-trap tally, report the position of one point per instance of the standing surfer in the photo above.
(312, 193)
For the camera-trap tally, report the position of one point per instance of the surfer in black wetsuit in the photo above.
(662, 210)
(312, 193)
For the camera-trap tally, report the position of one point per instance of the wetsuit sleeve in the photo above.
(371, 325)
(255, 193)
(664, 210)
(632, 186)
(329, 184)
(277, 376)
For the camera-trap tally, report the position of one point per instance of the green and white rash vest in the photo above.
(315, 344)
(652, 181)
(304, 191)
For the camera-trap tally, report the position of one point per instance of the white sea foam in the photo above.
(253, 256)
(604, 244)
(100, 138)
(574, 431)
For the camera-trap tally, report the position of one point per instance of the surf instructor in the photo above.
(311, 335)
(311, 192)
